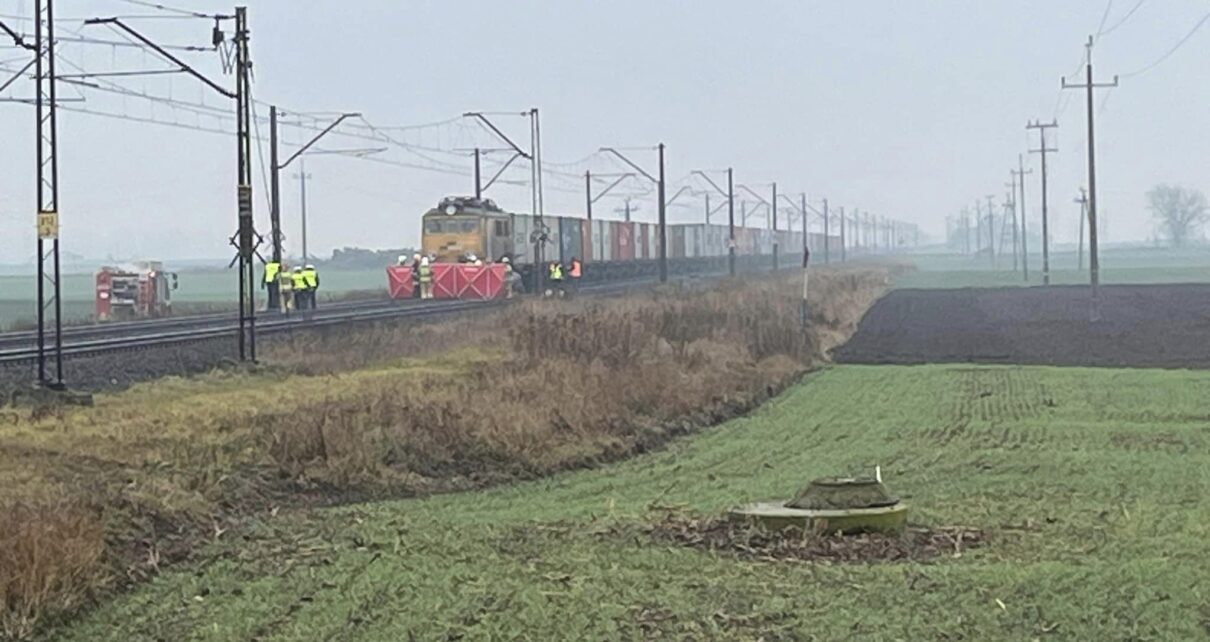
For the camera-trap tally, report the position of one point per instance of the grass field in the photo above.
(1090, 483)
(1118, 265)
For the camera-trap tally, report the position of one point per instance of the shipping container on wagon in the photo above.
(523, 250)
(692, 247)
(586, 241)
(607, 229)
(641, 249)
(623, 242)
(746, 240)
(676, 241)
(571, 238)
(598, 239)
(720, 237)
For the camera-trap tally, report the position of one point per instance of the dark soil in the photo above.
(1165, 326)
(748, 542)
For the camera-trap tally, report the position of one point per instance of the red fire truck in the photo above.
(139, 291)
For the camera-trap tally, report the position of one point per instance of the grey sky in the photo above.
(905, 109)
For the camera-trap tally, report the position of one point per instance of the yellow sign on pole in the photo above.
(48, 225)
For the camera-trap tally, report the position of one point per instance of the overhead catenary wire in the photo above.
(184, 13)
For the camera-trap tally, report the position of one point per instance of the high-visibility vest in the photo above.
(286, 282)
(426, 273)
(556, 272)
(575, 269)
(272, 269)
(312, 278)
(300, 281)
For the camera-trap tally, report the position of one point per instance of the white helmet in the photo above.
(310, 267)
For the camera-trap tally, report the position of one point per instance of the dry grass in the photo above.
(51, 558)
(390, 410)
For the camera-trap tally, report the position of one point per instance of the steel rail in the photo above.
(202, 328)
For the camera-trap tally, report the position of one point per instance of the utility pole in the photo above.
(588, 194)
(246, 240)
(478, 176)
(773, 205)
(274, 192)
(978, 226)
(47, 136)
(534, 156)
(302, 177)
(1012, 202)
(842, 239)
(277, 167)
(661, 195)
(991, 229)
(729, 194)
(806, 247)
(966, 230)
(1094, 267)
(1043, 150)
(1083, 201)
(246, 231)
(663, 221)
(826, 230)
(731, 221)
(1020, 176)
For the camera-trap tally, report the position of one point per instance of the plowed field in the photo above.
(1165, 326)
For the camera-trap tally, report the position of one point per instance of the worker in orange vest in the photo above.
(575, 272)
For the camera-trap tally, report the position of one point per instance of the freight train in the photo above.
(466, 229)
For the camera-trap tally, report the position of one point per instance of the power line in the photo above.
(1123, 21)
(1104, 18)
(1173, 50)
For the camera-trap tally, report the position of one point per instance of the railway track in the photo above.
(19, 348)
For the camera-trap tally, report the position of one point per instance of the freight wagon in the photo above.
(470, 231)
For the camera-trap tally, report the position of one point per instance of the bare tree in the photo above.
(1178, 211)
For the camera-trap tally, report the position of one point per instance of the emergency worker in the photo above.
(509, 277)
(416, 275)
(270, 283)
(312, 277)
(575, 272)
(299, 283)
(426, 278)
(285, 284)
(554, 275)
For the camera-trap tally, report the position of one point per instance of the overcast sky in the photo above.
(905, 109)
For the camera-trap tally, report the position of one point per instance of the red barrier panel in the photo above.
(459, 281)
(399, 281)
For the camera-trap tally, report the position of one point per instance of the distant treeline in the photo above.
(360, 258)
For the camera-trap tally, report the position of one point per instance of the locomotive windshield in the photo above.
(451, 225)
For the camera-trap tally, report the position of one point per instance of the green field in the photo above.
(18, 293)
(1118, 265)
(1091, 484)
